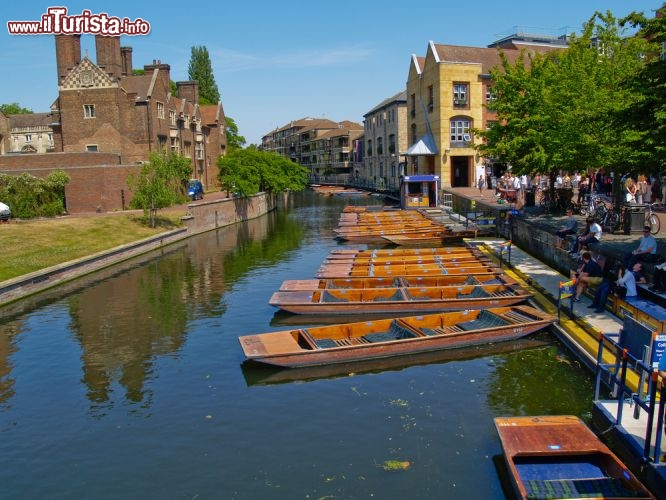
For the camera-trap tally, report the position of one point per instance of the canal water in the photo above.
(130, 384)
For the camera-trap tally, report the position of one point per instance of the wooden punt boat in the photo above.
(395, 282)
(385, 338)
(560, 457)
(409, 300)
(402, 253)
(377, 252)
(405, 260)
(437, 239)
(257, 374)
(464, 268)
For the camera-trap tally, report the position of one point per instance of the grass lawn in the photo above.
(31, 245)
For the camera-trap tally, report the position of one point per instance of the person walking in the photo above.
(481, 183)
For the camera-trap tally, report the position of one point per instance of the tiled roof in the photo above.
(399, 97)
(487, 57)
(137, 84)
(30, 120)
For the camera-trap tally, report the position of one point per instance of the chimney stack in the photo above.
(126, 57)
(189, 91)
(68, 54)
(108, 55)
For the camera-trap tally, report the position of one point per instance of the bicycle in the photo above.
(588, 206)
(610, 219)
(652, 219)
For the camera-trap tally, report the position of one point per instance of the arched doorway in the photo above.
(460, 171)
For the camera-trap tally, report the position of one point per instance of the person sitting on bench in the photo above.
(659, 279)
(588, 274)
(646, 251)
(624, 286)
(591, 235)
(568, 228)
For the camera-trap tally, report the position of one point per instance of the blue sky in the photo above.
(279, 61)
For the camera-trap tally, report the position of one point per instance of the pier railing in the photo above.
(648, 396)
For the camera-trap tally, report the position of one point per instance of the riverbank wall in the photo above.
(199, 217)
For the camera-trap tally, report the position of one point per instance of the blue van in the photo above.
(195, 189)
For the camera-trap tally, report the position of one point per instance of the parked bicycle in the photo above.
(589, 204)
(606, 215)
(651, 218)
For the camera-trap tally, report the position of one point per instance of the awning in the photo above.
(425, 146)
(420, 178)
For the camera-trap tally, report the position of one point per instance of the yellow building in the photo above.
(449, 93)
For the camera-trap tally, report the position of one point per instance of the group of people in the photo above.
(629, 272)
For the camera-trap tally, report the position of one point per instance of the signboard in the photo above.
(658, 348)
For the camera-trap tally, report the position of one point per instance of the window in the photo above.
(380, 146)
(187, 149)
(174, 145)
(200, 151)
(460, 91)
(160, 110)
(161, 142)
(430, 98)
(91, 148)
(187, 121)
(89, 111)
(490, 95)
(172, 118)
(459, 130)
(369, 148)
(28, 137)
(412, 99)
(414, 138)
(391, 145)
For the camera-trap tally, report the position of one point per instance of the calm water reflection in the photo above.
(129, 384)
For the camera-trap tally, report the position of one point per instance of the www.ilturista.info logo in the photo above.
(57, 22)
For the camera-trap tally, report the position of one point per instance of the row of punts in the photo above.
(477, 305)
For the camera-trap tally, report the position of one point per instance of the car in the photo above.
(195, 189)
(5, 212)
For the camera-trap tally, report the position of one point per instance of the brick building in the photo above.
(107, 121)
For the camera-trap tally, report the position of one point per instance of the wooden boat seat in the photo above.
(477, 293)
(604, 487)
(442, 330)
(397, 296)
(395, 332)
(329, 297)
(518, 317)
(485, 319)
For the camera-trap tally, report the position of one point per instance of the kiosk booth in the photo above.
(419, 191)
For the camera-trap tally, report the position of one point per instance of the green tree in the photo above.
(643, 124)
(160, 183)
(201, 69)
(249, 171)
(554, 113)
(234, 139)
(14, 109)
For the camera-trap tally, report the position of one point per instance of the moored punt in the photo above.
(560, 457)
(386, 338)
(400, 252)
(440, 239)
(394, 282)
(344, 270)
(409, 300)
(409, 259)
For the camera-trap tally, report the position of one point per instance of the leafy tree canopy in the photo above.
(234, 140)
(555, 110)
(201, 69)
(161, 182)
(14, 109)
(249, 171)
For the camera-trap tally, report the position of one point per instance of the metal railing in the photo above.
(615, 376)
